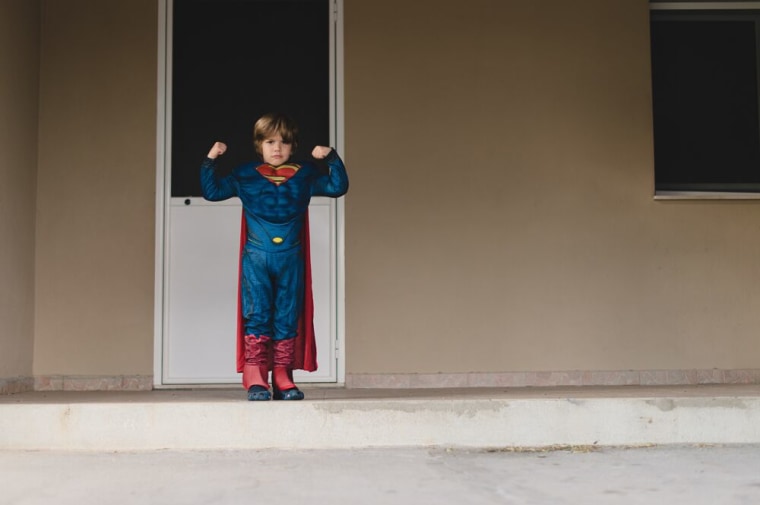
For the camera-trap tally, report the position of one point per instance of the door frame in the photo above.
(163, 182)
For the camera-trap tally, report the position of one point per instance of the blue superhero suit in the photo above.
(275, 203)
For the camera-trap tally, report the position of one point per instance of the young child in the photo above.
(275, 196)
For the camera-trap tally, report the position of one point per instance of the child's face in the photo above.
(275, 151)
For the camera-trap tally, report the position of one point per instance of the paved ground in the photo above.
(321, 393)
(724, 475)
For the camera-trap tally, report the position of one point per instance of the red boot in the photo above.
(282, 373)
(256, 369)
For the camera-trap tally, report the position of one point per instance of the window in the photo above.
(235, 60)
(705, 95)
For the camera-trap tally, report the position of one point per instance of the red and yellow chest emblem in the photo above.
(278, 175)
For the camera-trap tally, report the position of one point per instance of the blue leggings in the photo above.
(272, 292)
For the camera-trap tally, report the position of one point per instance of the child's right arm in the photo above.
(215, 189)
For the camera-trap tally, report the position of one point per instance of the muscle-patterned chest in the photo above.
(275, 193)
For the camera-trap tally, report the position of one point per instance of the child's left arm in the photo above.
(335, 183)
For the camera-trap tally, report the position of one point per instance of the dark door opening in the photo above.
(234, 60)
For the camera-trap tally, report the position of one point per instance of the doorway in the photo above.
(225, 63)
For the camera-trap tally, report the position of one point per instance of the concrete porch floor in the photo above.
(339, 418)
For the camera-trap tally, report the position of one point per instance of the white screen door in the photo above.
(227, 63)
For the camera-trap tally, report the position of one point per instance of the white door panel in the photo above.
(197, 242)
(201, 299)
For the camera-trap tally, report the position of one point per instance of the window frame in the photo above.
(685, 7)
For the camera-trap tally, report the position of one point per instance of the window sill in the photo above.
(705, 195)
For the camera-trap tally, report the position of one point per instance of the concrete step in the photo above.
(338, 418)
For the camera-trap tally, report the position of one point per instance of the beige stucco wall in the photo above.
(501, 215)
(19, 83)
(96, 190)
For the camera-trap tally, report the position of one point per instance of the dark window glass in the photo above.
(234, 60)
(705, 92)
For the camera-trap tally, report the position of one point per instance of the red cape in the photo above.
(306, 346)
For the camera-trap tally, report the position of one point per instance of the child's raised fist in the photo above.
(217, 149)
(321, 152)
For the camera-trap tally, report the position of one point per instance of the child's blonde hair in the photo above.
(272, 124)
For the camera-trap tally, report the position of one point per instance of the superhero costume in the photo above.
(274, 290)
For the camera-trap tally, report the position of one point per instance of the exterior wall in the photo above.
(19, 84)
(501, 214)
(501, 217)
(96, 190)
